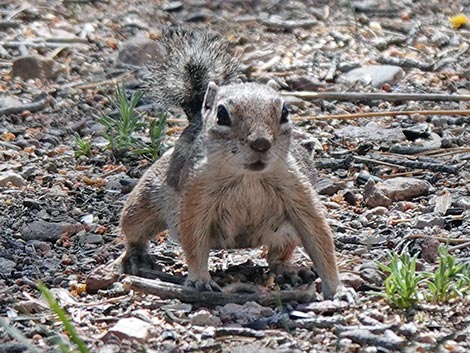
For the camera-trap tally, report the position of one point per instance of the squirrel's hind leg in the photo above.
(141, 220)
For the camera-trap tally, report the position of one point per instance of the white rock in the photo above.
(131, 328)
(375, 75)
(204, 318)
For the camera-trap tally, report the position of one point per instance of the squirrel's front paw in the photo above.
(293, 276)
(135, 259)
(346, 294)
(202, 285)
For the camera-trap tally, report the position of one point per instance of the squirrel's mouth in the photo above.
(256, 167)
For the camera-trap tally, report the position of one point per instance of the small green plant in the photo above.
(120, 131)
(154, 148)
(401, 285)
(449, 280)
(83, 147)
(69, 328)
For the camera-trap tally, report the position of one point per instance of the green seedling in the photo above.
(155, 147)
(120, 131)
(401, 285)
(83, 147)
(449, 280)
(69, 328)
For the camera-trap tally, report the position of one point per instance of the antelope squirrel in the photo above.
(235, 178)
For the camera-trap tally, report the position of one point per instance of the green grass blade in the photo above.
(60, 312)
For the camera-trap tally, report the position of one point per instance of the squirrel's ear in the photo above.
(211, 92)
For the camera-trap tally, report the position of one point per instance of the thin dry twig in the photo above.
(444, 150)
(395, 175)
(382, 114)
(375, 161)
(358, 96)
(113, 81)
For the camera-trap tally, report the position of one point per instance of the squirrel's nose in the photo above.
(261, 144)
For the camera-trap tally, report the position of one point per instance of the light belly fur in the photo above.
(251, 212)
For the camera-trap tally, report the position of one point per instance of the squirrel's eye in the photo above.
(284, 115)
(223, 118)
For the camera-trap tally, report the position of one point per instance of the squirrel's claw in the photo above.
(135, 259)
(203, 286)
(346, 294)
(293, 276)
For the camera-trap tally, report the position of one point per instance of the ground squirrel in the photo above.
(234, 179)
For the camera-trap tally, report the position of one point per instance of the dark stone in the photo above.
(350, 197)
(417, 131)
(33, 204)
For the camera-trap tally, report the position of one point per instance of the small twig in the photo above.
(450, 152)
(441, 239)
(279, 23)
(113, 81)
(358, 96)
(444, 150)
(375, 161)
(382, 114)
(460, 246)
(414, 172)
(37, 44)
(71, 40)
(112, 171)
(238, 331)
(408, 63)
(436, 167)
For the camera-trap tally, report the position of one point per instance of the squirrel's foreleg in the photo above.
(195, 237)
(316, 237)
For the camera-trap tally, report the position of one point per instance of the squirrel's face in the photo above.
(247, 126)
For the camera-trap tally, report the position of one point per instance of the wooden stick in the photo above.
(166, 290)
(460, 246)
(375, 161)
(444, 150)
(395, 175)
(40, 44)
(382, 114)
(358, 96)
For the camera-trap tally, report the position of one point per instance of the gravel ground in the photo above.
(389, 183)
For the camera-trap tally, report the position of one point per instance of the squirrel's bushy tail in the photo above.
(192, 60)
